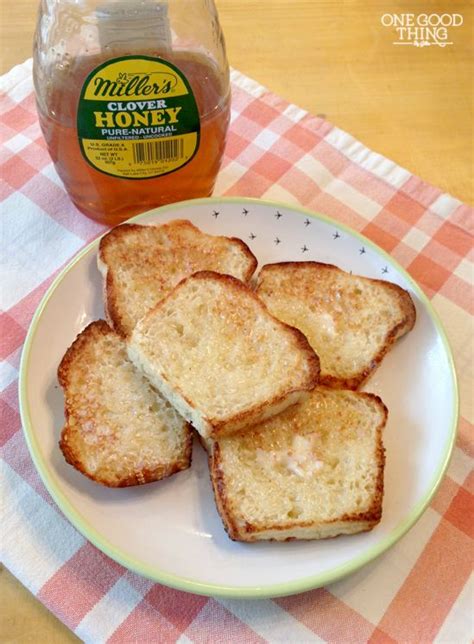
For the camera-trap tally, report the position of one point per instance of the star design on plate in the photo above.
(385, 269)
(362, 251)
(215, 214)
(252, 236)
(336, 235)
(305, 249)
(277, 241)
(278, 214)
(307, 222)
(245, 212)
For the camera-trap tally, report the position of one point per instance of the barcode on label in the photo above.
(152, 151)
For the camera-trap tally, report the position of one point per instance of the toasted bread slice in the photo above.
(118, 430)
(315, 471)
(212, 348)
(141, 264)
(351, 322)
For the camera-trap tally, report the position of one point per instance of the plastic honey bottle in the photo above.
(133, 98)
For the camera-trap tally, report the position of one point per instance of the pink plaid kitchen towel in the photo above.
(419, 591)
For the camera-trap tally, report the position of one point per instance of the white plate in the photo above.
(170, 530)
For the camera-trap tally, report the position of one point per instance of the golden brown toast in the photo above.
(119, 431)
(350, 321)
(312, 472)
(212, 348)
(141, 264)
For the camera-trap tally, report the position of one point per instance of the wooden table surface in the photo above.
(333, 58)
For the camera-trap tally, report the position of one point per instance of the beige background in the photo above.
(334, 58)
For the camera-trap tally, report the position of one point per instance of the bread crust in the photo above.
(297, 529)
(113, 309)
(140, 476)
(259, 411)
(99, 327)
(397, 331)
(224, 506)
(252, 260)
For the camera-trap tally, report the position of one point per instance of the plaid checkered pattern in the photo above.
(419, 590)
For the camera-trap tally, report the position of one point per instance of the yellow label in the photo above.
(137, 118)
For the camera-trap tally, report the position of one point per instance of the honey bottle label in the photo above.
(137, 118)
